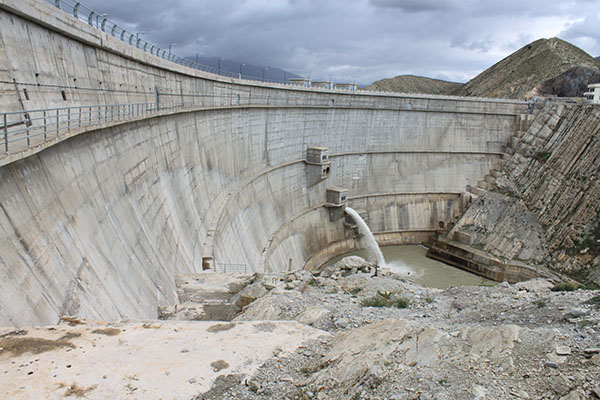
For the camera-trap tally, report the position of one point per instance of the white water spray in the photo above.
(371, 245)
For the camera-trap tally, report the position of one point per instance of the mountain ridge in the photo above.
(545, 67)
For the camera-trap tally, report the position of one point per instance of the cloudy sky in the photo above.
(359, 40)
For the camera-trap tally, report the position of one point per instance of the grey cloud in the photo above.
(350, 40)
(416, 6)
(483, 45)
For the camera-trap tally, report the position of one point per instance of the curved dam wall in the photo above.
(97, 223)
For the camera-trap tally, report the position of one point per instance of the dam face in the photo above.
(97, 221)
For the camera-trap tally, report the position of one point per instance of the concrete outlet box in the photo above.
(317, 172)
(317, 155)
(337, 195)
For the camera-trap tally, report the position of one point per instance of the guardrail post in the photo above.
(5, 135)
(90, 116)
(27, 123)
(79, 117)
(45, 127)
(68, 120)
(57, 122)
(76, 9)
(57, 4)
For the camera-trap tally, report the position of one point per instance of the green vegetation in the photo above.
(540, 303)
(354, 291)
(565, 287)
(542, 156)
(595, 301)
(375, 301)
(385, 299)
(385, 295)
(401, 303)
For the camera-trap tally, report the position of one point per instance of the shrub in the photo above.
(565, 287)
(401, 303)
(385, 295)
(375, 301)
(542, 156)
(595, 300)
(540, 303)
(354, 291)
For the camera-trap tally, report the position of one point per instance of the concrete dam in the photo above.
(120, 169)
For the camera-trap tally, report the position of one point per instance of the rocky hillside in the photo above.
(544, 206)
(414, 84)
(544, 67)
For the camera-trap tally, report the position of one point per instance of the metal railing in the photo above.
(231, 268)
(101, 21)
(22, 129)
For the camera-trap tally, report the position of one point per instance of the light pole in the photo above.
(241, 72)
(264, 69)
(220, 59)
(137, 38)
(171, 45)
(197, 57)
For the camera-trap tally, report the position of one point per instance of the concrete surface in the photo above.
(164, 359)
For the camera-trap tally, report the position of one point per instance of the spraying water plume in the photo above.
(368, 239)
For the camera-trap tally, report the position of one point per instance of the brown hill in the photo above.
(414, 84)
(544, 67)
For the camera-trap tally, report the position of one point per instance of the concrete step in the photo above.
(464, 237)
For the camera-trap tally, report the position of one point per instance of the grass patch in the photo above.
(385, 299)
(375, 301)
(401, 303)
(385, 295)
(540, 303)
(594, 301)
(565, 287)
(354, 291)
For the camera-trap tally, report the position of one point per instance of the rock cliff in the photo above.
(544, 204)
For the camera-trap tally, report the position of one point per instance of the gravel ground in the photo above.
(508, 341)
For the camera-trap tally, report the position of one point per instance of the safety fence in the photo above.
(101, 21)
(23, 129)
(231, 268)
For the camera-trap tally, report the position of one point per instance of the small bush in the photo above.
(401, 303)
(354, 291)
(375, 301)
(542, 156)
(590, 286)
(565, 287)
(385, 295)
(540, 303)
(595, 300)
